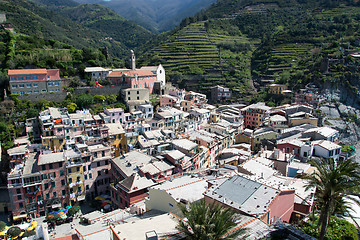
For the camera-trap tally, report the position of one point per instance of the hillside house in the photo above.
(34, 81)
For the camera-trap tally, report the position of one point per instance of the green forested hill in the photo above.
(240, 43)
(57, 22)
(106, 21)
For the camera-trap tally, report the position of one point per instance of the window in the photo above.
(70, 180)
(35, 85)
(21, 85)
(90, 176)
(18, 191)
(84, 168)
(29, 92)
(28, 85)
(106, 162)
(61, 173)
(99, 173)
(98, 164)
(14, 86)
(106, 171)
(79, 189)
(50, 84)
(21, 205)
(85, 177)
(47, 196)
(50, 166)
(46, 185)
(43, 167)
(12, 78)
(69, 170)
(19, 197)
(78, 179)
(57, 84)
(20, 78)
(15, 92)
(52, 184)
(78, 169)
(54, 194)
(62, 182)
(128, 98)
(89, 167)
(63, 192)
(36, 91)
(87, 187)
(38, 198)
(35, 77)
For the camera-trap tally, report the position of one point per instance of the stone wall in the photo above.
(105, 90)
(55, 96)
(61, 96)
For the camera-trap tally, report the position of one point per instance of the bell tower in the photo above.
(132, 60)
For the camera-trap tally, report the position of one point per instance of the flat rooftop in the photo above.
(164, 224)
(186, 187)
(51, 158)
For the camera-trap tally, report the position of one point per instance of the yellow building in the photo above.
(301, 118)
(52, 142)
(117, 139)
(277, 88)
(214, 117)
(132, 138)
(244, 137)
(255, 138)
(75, 179)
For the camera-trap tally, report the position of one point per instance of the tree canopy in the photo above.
(208, 222)
(334, 181)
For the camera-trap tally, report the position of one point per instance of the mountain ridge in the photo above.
(46, 19)
(155, 15)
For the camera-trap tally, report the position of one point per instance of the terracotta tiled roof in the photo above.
(27, 71)
(54, 74)
(131, 73)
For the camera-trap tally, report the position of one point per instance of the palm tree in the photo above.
(333, 181)
(208, 222)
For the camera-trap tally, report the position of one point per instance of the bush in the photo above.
(338, 229)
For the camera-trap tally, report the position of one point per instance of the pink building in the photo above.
(133, 79)
(168, 101)
(100, 168)
(292, 146)
(52, 169)
(116, 115)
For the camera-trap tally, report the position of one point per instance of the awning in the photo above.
(81, 198)
(58, 205)
(19, 217)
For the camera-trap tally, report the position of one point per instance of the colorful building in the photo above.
(255, 115)
(34, 81)
(277, 89)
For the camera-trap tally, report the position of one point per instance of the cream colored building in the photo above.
(167, 196)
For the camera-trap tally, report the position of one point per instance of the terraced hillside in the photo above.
(285, 57)
(200, 56)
